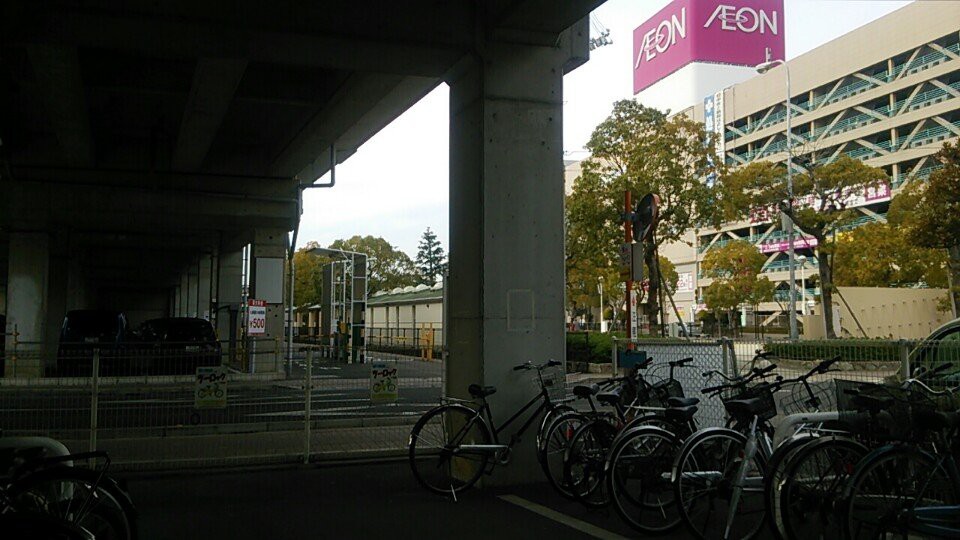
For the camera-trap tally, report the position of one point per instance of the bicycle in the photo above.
(451, 445)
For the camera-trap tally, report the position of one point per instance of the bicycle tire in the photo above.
(811, 509)
(114, 519)
(584, 462)
(18, 526)
(880, 474)
(708, 459)
(639, 473)
(548, 418)
(451, 473)
(773, 479)
(553, 448)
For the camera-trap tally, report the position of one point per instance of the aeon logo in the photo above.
(745, 19)
(661, 38)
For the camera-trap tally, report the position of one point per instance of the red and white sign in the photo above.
(734, 32)
(256, 316)
(798, 243)
(853, 198)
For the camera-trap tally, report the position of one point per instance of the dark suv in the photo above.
(83, 331)
(178, 345)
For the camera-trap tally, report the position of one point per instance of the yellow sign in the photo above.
(383, 383)
(210, 391)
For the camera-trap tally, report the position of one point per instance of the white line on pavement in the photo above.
(574, 523)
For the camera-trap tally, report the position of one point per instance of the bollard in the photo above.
(94, 398)
(306, 407)
(904, 359)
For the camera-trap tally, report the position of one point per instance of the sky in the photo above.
(396, 184)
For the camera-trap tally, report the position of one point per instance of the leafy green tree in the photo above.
(881, 255)
(308, 278)
(935, 221)
(735, 271)
(820, 209)
(640, 150)
(431, 260)
(387, 266)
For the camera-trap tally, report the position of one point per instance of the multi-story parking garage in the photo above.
(887, 94)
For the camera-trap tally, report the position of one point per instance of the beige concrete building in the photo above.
(865, 312)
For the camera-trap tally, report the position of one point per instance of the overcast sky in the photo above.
(396, 185)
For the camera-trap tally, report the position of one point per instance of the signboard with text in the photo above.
(734, 32)
(256, 317)
(383, 383)
(853, 198)
(210, 388)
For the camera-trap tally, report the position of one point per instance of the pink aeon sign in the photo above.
(734, 32)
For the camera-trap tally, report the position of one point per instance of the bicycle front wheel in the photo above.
(584, 462)
(888, 491)
(711, 503)
(442, 453)
(553, 447)
(638, 478)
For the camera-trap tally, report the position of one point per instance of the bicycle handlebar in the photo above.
(683, 362)
(530, 365)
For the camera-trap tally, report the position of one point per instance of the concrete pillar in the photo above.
(193, 289)
(229, 293)
(204, 284)
(184, 293)
(267, 273)
(58, 281)
(175, 302)
(28, 269)
(506, 280)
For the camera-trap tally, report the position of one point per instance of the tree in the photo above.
(638, 149)
(431, 261)
(881, 255)
(308, 279)
(735, 271)
(387, 267)
(820, 207)
(935, 221)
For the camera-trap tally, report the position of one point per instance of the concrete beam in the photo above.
(214, 82)
(57, 71)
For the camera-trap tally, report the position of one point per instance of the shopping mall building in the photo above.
(887, 93)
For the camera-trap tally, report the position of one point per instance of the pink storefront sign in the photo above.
(798, 243)
(735, 32)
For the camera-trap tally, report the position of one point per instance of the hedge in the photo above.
(848, 350)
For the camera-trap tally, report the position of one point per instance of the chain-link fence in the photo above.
(194, 404)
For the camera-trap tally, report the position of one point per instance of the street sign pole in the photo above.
(628, 238)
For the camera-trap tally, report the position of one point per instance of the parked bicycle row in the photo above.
(845, 459)
(48, 493)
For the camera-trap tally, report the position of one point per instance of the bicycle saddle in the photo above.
(610, 398)
(584, 391)
(680, 414)
(682, 401)
(745, 407)
(478, 391)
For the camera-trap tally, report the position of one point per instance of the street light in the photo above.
(763, 68)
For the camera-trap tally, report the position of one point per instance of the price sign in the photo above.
(256, 316)
(210, 389)
(383, 383)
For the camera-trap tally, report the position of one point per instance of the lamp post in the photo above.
(763, 68)
(600, 287)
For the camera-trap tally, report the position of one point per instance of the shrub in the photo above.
(849, 350)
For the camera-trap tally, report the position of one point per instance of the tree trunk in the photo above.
(653, 292)
(954, 267)
(826, 291)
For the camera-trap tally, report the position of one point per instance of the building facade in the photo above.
(887, 94)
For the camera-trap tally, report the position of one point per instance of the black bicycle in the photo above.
(452, 444)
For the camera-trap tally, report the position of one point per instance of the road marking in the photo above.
(574, 523)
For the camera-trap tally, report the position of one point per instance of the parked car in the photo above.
(178, 345)
(940, 348)
(85, 330)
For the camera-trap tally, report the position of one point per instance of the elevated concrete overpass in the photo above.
(144, 144)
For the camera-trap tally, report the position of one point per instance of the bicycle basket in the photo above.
(667, 388)
(768, 405)
(895, 422)
(801, 401)
(555, 381)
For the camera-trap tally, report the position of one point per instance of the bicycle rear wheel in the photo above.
(553, 447)
(886, 488)
(75, 496)
(585, 460)
(638, 479)
(437, 457)
(704, 484)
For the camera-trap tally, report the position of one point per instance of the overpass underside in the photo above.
(145, 144)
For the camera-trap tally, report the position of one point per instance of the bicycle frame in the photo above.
(485, 415)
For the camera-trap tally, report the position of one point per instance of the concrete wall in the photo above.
(883, 313)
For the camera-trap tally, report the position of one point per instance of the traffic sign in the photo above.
(256, 317)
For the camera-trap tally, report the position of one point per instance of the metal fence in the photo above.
(173, 408)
